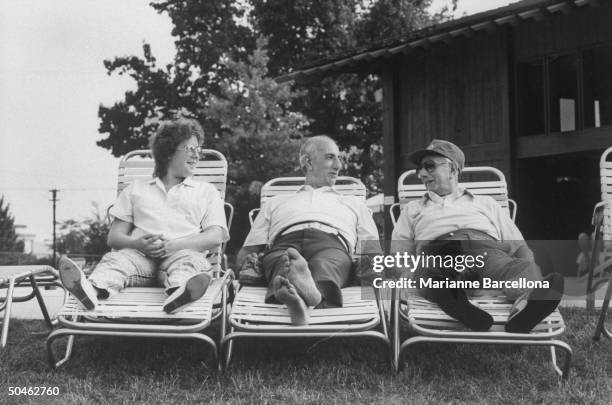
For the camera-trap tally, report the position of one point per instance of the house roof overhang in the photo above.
(369, 58)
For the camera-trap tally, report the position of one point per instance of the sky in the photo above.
(52, 81)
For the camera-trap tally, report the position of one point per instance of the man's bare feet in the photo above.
(285, 293)
(285, 264)
(301, 277)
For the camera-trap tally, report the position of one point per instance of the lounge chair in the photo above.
(137, 311)
(431, 324)
(33, 276)
(601, 255)
(251, 317)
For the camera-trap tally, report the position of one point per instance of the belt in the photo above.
(311, 225)
(318, 226)
(466, 234)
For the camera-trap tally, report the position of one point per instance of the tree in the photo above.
(346, 106)
(96, 233)
(9, 241)
(86, 237)
(222, 74)
(314, 30)
(258, 131)
(208, 32)
(71, 237)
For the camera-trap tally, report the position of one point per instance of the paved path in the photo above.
(30, 309)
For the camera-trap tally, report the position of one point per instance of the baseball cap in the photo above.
(439, 147)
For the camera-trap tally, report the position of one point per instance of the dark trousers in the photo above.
(328, 261)
(499, 265)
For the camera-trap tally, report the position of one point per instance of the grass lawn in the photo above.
(125, 371)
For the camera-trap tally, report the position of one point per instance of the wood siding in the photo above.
(459, 92)
(582, 28)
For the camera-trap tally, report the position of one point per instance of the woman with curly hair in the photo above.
(161, 228)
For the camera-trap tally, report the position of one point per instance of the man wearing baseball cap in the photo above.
(450, 220)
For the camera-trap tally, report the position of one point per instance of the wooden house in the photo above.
(526, 88)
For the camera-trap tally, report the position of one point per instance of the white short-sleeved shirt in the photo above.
(186, 209)
(432, 216)
(349, 215)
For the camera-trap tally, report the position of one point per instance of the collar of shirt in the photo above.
(433, 197)
(307, 187)
(188, 181)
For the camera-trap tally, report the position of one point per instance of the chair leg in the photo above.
(601, 327)
(395, 338)
(206, 339)
(69, 344)
(607, 333)
(7, 313)
(41, 302)
(227, 348)
(224, 304)
(553, 358)
(595, 248)
(564, 372)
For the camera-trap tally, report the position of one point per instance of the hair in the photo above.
(455, 167)
(308, 148)
(169, 135)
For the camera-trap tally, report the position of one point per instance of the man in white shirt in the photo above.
(449, 220)
(161, 228)
(308, 237)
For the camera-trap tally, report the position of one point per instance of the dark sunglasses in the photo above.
(430, 165)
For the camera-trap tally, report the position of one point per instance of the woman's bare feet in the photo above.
(301, 277)
(286, 293)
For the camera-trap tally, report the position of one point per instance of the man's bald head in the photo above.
(311, 146)
(320, 161)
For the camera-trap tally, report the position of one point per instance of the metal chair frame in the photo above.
(137, 311)
(430, 324)
(250, 317)
(600, 263)
(35, 276)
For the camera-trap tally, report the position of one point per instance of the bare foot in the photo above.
(299, 275)
(285, 265)
(285, 292)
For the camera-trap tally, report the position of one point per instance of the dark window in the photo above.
(562, 93)
(563, 100)
(597, 86)
(530, 79)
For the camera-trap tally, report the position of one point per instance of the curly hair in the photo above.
(169, 135)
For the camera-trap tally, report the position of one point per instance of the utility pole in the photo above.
(54, 200)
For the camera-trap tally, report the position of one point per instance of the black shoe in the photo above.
(193, 289)
(533, 308)
(454, 302)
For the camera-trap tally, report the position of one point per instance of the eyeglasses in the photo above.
(191, 149)
(430, 165)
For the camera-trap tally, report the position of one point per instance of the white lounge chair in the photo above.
(137, 311)
(33, 276)
(601, 256)
(360, 316)
(431, 324)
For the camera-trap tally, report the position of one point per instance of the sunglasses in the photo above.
(430, 165)
(191, 149)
